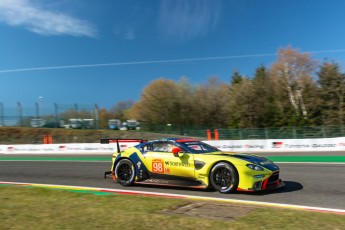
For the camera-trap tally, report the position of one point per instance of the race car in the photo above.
(191, 163)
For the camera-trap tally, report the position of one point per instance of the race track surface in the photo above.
(318, 185)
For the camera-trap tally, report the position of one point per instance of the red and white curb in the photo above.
(178, 196)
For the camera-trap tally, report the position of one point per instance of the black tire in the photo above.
(125, 172)
(224, 177)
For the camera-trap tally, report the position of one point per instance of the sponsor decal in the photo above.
(157, 166)
(315, 146)
(254, 146)
(230, 146)
(277, 144)
(301, 146)
(109, 148)
(178, 164)
(157, 181)
(324, 145)
(48, 149)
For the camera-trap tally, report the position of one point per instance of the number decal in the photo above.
(158, 166)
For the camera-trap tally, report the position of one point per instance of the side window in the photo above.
(163, 147)
(169, 147)
(147, 147)
(158, 147)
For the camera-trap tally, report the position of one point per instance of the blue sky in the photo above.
(91, 51)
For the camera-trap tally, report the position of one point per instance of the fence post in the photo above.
(240, 133)
(294, 134)
(76, 107)
(2, 116)
(324, 134)
(20, 113)
(57, 124)
(266, 133)
(97, 117)
(37, 106)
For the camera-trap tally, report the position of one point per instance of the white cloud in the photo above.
(126, 32)
(23, 13)
(129, 34)
(185, 19)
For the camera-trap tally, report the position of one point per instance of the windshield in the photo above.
(198, 147)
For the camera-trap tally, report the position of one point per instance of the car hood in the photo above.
(254, 159)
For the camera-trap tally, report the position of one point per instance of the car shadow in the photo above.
(290, 186)
(167, 187)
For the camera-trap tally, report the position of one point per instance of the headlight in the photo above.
(255, 167)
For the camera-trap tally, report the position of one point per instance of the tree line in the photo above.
(295, 90)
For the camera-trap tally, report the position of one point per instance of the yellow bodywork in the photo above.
(188, 165)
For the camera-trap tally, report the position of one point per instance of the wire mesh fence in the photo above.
(56, 116)
(303, 132)
(282, 133)
(79, 116)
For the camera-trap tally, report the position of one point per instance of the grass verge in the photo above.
(41, 208)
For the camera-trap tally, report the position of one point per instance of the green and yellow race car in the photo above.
(191, 163)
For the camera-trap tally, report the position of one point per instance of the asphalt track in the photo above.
(309, 184)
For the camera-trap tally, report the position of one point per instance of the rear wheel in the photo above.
(125, 172)
(224, 177)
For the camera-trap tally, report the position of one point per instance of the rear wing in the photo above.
(118, 141)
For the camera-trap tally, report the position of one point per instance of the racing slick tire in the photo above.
(125, 172)
(224, 177)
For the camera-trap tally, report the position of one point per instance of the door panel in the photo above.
(166, 163)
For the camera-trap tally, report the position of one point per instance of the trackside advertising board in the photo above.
(64, 148)
(270, 145)
(281, 145)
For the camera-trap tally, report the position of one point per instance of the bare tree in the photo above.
(295, 69)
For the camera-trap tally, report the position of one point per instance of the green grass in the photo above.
(40, 208)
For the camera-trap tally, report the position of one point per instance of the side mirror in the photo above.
(176, 151)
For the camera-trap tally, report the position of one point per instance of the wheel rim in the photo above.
(124, 172)
(222, 178)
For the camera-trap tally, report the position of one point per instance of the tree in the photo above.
(121, 110)
(158, 103)
(72, 113)
(242, 113)
(210, 104)
(294, 70)
(266, 99)
(236, 77)
(332, 92)
(184, 103)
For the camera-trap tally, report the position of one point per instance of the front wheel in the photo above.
(125, 172)
(224, 177)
